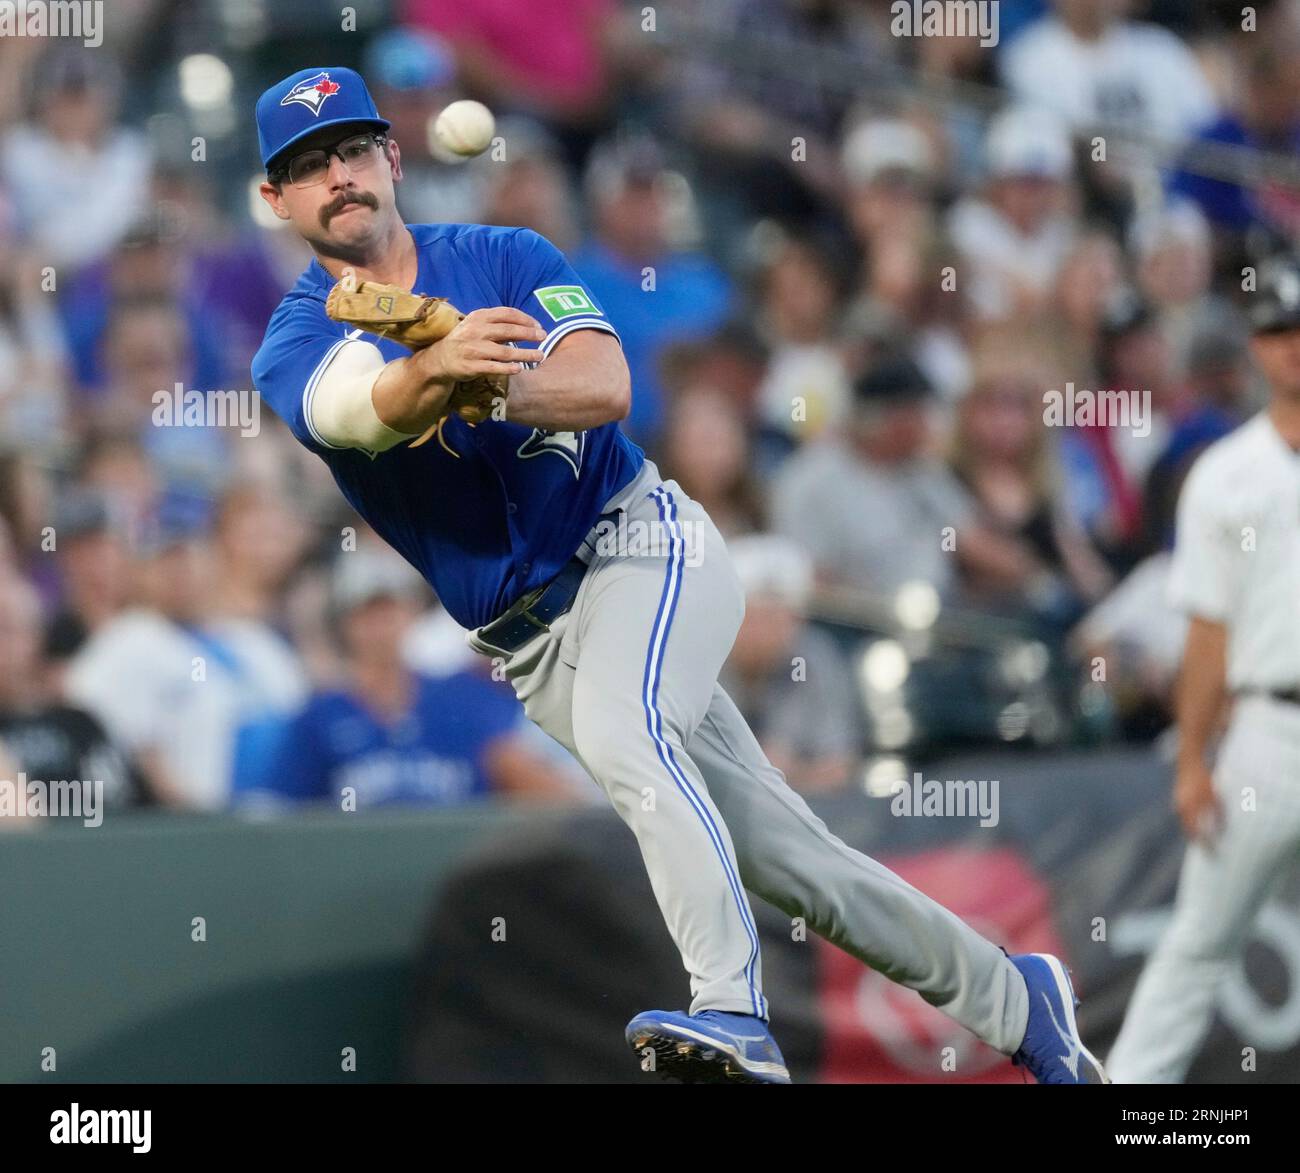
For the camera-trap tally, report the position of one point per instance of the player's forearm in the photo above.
(580, 385)
(407, 396)
(1201, 687)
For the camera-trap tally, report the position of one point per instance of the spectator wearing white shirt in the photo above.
(190, 697)
(78, 179)
(1015, 236)
(1091, 65)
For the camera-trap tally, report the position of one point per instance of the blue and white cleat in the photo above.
(709, 1047)
(1052, 1050)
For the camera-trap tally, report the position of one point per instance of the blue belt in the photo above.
(536, 611)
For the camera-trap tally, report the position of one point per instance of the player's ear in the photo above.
(270, 192)
(394, 159)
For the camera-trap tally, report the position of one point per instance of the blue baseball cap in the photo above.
(307, 100)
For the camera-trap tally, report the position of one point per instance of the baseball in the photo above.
(465, 128)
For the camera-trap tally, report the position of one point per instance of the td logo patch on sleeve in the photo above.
(565, 301)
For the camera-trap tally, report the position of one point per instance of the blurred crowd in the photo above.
(848, 268)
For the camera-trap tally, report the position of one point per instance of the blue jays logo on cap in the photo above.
(308, 100)
(312, 92)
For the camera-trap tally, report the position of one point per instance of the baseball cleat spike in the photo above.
(710, 1047)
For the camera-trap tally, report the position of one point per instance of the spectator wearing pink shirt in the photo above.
(546, 58)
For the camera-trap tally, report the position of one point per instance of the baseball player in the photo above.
(605, 591)
(1236, 573)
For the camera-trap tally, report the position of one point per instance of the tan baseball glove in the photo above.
(416, 321)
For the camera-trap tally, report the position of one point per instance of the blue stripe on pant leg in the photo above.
(677, 570)
(654, 722)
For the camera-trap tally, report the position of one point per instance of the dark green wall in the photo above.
(311, 923)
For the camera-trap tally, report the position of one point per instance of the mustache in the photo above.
(330, 210)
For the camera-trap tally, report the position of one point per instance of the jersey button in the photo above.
(526, 567)
(511, 507)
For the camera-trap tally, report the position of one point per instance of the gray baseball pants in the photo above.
(627, 681)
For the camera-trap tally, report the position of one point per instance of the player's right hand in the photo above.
(477, 345)
(1196, 802)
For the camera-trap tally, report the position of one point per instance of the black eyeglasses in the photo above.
(311, 167)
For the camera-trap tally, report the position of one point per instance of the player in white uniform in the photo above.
(1236, 572)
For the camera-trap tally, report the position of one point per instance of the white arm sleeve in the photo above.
(337, 403)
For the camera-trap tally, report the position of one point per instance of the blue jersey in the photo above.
(435, 753)
(505, 517)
